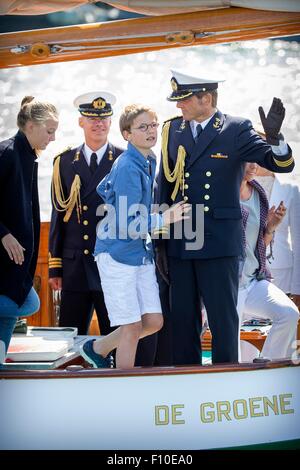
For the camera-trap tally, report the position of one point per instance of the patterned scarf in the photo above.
(260, 250)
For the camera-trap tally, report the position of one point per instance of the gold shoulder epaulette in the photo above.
(177, 175)
(172, 118)
(67, 149)
(60, 202)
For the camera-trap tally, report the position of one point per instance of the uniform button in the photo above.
(207, 186)
(85, 222)
(206, 197)
(185, 198)
(186, 186)
(85, 237)
(85, 208)
(206, 208)
(187, 175)
(208, 173)
(86, 252)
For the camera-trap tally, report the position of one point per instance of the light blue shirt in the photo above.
(127, 194)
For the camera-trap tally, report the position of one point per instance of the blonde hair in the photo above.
(35, 111)
(131, 112)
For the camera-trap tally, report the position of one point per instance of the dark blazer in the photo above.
(19, 215)
(214, 168)
(71, 244)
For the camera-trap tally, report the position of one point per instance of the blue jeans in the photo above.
(10, 311)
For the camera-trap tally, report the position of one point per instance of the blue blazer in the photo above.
(214, 168)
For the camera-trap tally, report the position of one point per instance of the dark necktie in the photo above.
(199, 131)
(93, 163)
(149, 163)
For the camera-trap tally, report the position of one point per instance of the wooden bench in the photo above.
(257, 338)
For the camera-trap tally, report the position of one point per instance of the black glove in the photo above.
(162, 263)
(272, 123)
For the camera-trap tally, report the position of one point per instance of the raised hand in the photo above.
(273, 121)
(275, 217)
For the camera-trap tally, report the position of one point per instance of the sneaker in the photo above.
(96, 360)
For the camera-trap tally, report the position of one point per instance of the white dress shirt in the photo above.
(194, 124)
(87, 152)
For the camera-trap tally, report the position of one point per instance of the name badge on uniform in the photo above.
(218, 155)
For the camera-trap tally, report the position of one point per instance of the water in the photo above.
(255, 71)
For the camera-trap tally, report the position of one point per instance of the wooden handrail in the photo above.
(143, 371)
(121, 37)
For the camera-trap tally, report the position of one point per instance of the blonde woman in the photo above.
(19, 211)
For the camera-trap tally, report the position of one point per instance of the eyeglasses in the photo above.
(145, 127)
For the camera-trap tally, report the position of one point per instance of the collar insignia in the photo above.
(217, 123)
(77, 156)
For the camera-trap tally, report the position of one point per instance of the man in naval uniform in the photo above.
(76, 173)
(203, 157)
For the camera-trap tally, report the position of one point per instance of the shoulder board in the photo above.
(172, 118)
(67, 149)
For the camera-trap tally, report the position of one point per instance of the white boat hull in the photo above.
(163, 410)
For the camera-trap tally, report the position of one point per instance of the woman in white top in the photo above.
(258, 297)
(285, 260)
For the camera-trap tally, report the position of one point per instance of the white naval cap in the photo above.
(184, 85)
(95, 104)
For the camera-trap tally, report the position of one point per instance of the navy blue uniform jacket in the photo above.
(71, 244)
(19, 215)
(214, 168)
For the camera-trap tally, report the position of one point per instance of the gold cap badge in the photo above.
(99, 103)
(174, 85)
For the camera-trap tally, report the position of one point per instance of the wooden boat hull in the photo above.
(164, 408)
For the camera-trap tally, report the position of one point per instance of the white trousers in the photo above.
(262, 300)
(282, 278)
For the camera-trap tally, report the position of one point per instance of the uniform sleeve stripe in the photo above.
(285, 163)
(160, 231)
